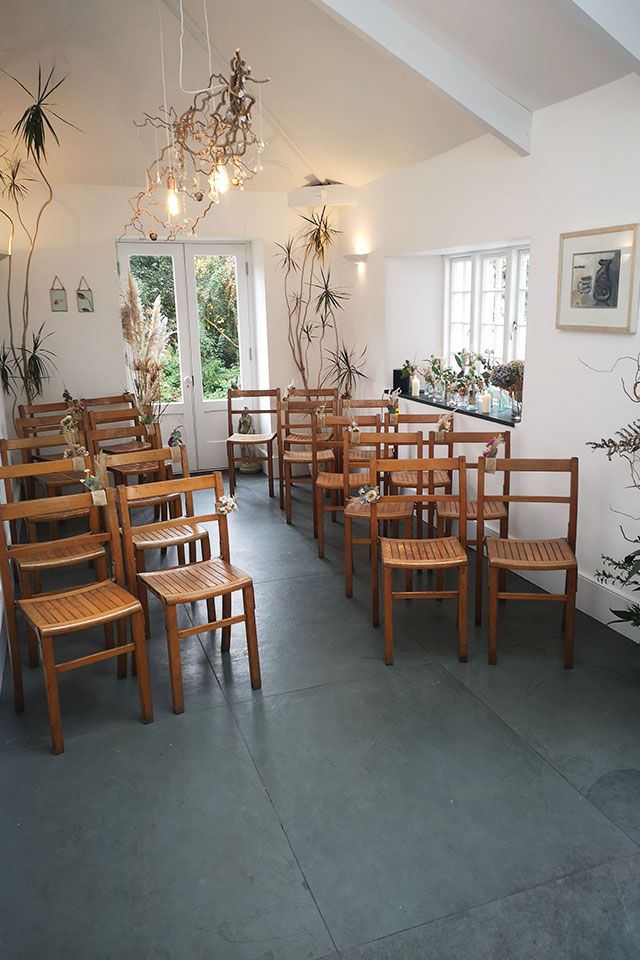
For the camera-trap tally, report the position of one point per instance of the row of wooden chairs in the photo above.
(116, 547)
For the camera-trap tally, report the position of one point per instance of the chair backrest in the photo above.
(113, 425)
(378, 404)
(162, 457)
(450, 440)
(299, 413)
(30, 448)
(128, 496)
(39, 409)
(424, 491)
(315, 394)
(381, 445)
(533, 466)
(273, 406)
(398, 421)
(31, 510)
(37, 469)
(48, 423)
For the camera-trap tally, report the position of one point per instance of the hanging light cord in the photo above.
(206, 27)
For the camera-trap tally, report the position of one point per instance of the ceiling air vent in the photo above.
(325, 193)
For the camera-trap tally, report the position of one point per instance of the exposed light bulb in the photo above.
(173, 200)
(221, 178)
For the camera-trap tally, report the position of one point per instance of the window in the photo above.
(486, 303)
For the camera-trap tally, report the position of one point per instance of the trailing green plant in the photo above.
(313, 302)
(625, 444)
(25, 363)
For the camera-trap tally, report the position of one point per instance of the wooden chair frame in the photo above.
(191, 589)
(266, 439)
(444, 553)
(528, 561)
(394, 423)
(37, 409)
(288, 438)
(84, 608)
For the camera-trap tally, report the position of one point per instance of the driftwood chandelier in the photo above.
(209, 148)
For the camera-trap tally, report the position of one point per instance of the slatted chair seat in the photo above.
(167, 536)
(439, 551)
(358, 452)
(305, 456)
(386, 511)
(207, 578)
(79, 608)
(335, 481)
(64, 515)
(531, 554)
(450, 510)
(158, 501)
(251, 439)
(129, 447)
(135, 469)
(60, 555)
(409, 478)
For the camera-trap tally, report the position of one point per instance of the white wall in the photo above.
(582, 173)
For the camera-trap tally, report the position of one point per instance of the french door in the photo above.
(204, 293)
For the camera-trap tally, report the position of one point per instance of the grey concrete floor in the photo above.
(428, 811)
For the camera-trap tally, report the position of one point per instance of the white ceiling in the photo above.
(344, 108)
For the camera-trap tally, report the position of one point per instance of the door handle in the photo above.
(189, 381)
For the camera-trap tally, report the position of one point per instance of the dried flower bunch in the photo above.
(227, 504)
(393, 400)
(369, 494)
(146, 337)
(69, 430)
(510, 377)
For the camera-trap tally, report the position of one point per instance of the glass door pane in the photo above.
(155, 277)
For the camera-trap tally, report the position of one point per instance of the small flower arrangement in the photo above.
(490, 452)
(368, 494)
(393, 401)
(410, 369)
(227, 504)
(288, 390)
(69, 430)
(445, 423)
(354, 430)
(175, 438)
(97, 484)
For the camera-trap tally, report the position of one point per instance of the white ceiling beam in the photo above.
(616, 22)
(375, 22)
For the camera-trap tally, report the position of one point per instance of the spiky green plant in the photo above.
(346, 369)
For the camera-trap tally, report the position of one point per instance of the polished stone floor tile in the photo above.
(149, 842)
(413, 801)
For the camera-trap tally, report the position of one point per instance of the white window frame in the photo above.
(514, 260)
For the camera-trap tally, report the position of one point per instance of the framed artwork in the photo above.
(598, 280)
(58, 296)
(84, 297)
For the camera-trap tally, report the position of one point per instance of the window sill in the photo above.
(505, 419)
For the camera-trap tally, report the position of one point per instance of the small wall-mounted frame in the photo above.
(84, 297)
(58, 296)
(598, 280)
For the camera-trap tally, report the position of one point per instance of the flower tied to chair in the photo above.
(354, 430)
(96, 484)
(288, 390)
(226, 504)
(443, 427)
(368, 494)
(393, 403)
(490, 452)
(74, 450)
(321, 415)
(175, 442)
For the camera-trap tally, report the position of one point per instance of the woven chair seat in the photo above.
(416, 554)
(306, 437)
(409, 478)
(94, 603)
(335, 481)
(450, 510)
(386, 511)
(251, 439)
(530, 554)
(358, 452)
(60, 556)
(305, 456)
(208, 578)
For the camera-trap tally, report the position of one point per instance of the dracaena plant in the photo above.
(25, 362)
(314, 304)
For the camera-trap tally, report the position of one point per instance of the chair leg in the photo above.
(143, 596)
(287, 491)
(232, 469)
(280, 477)
(142, 667)
(270, 467)
(211, 609)
(14, 658)
(504, 533)
(387, 589)
(193, 556)
(570, 616)
(408, 574)
(225, 644)
(318, 497)
(493, 614)
(252, 636)
(375, 587)
(479, 572)
(348, 556)
(334, 503)
(53, 698)
(26, 593)
(101, 574)
(463, 653)
(439, 572)
(173, 649)
(122, 639)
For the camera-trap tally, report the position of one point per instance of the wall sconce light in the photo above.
(356, 257)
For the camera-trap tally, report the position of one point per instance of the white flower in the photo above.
(227, 504)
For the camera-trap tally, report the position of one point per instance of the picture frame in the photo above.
(84, 297)
(598, 280)
(58, 297)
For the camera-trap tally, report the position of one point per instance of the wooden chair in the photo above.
(436, 553)
(61, 406)
(495, 512)
(393, 513)
(204, 580)
(168, 505)
(407, 480)
(301, 449)
(105, 424)
(53, 614)
(252, 440)
(537, 555)
(338, 485)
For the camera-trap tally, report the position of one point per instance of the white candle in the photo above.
(486, 402)
(415, 385)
